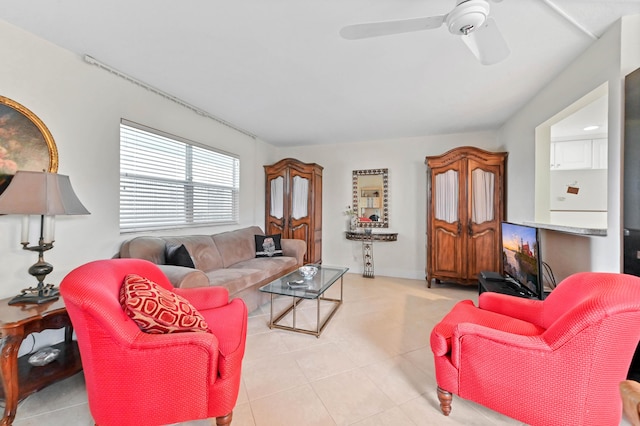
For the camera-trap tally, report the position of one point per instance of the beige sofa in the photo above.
(226, 259)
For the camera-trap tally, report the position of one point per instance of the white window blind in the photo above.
(168, 182)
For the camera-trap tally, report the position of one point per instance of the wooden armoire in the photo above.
(465, 206)
(294, 204)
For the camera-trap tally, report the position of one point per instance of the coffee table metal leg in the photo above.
(294, 313)
(271, 315)
(318, 319)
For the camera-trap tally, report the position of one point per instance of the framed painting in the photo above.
(25, 142)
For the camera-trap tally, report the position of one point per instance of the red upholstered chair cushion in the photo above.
(157, 310)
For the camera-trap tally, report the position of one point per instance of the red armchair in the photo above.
(552, 362)
(136, 378)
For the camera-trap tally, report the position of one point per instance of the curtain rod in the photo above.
(90, 60)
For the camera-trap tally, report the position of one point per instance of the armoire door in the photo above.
(299, 215)
(483, 225)
(446, 237)
(277, 208)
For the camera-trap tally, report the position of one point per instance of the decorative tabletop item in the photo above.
(353, 218)
(44, 356)
(308, 271)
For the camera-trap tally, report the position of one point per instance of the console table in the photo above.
(19, 378)
(367, 239)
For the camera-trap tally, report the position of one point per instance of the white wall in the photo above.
(407, 196)
(82, 106)
(608, 60)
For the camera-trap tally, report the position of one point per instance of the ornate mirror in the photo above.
(371, 197)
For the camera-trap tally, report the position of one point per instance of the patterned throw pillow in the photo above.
(268, 245)
(157, 310)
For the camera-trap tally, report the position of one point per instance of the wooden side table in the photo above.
(19, 378)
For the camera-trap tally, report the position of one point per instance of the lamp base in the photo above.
(36, 295)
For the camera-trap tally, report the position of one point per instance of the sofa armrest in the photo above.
(183, 277)
(294, 248)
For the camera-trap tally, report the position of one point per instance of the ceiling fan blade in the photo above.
(487, 43)
(375, 29)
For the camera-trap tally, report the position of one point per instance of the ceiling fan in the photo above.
(469, 19)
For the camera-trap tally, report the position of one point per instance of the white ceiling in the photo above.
(280, 70)
(591, 119)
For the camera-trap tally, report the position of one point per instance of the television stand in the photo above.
(501, 287)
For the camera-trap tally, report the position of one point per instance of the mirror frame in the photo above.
(384, 223)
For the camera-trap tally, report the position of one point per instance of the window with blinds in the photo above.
(168, 182)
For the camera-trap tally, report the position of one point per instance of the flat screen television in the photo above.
(521, 259)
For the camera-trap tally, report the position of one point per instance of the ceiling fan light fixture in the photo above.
(467, 16)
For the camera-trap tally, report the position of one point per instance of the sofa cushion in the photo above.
(178, 255)
(236, 246)
(203, 250)
(268, 245)
(157, 310)
(248, 273)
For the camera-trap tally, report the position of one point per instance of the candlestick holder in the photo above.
(41, 293)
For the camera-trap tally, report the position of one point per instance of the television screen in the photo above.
(521, 257)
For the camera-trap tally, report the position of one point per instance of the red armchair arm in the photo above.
(464, 314)
(171, 349)
(528, 310)
(222, 317)
(468, 335)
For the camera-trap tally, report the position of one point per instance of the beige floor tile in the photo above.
(242, 416)
(69, 392)
(243, 398)
(425, 410)
(351, 397)
(296, 341)
(319, 361)
(297, 406)
(365, 350)
(271, 374)
(77, 415)
(258, 324)
(391, 417)
(264, 345)
(423, 359)
(399, 379)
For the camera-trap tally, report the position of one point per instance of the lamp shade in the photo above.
(40, 193)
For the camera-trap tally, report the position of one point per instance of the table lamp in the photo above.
(45, 194)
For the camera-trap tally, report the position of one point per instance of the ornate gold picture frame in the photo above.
(25, 142)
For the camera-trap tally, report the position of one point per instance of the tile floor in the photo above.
(372, 366)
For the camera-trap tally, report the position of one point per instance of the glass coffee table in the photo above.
(309, 289)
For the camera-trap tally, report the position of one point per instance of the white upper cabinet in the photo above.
(571, 155)
(600, 149)
(579, 154)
